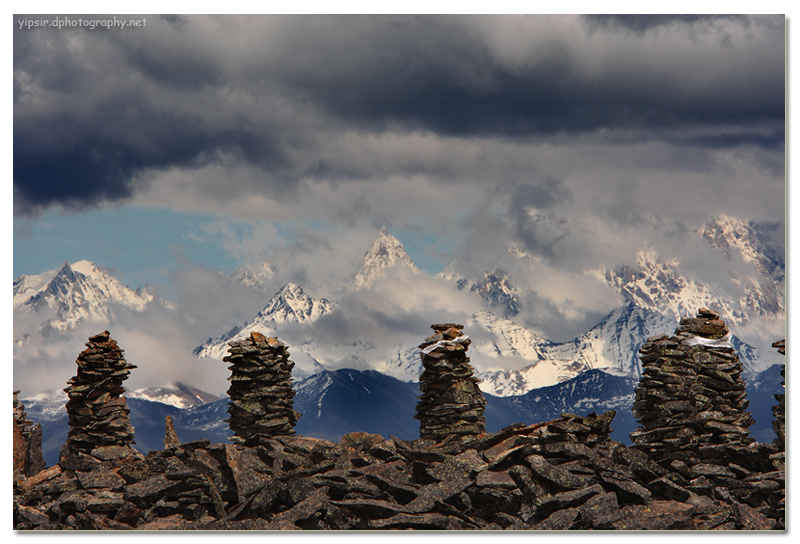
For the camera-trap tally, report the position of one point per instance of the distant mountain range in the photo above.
(372, 384)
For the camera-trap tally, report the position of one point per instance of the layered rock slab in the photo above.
(565, 474)
(451, 402)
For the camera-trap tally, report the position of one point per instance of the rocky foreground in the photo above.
(563, 474)
(692, 466)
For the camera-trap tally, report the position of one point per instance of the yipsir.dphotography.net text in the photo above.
(60, 22)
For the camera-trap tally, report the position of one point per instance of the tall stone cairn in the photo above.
(27, 443)
(451, 402)
(261, 392)
(97, 409)
(779, 411)
(691, 397)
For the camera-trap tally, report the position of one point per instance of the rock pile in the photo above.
(779, 411)
(451, 401)
(692, 466)
(563, 474)
(261, 392)
(691, 397)
(28, 457)
(98, 413)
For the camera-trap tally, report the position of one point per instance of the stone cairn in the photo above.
(28, 457)
(98, 413)
(451, 402)
(261, 392)
(779, 411)
(691, 397)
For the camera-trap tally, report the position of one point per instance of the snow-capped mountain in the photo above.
(665, 286)
(255, 276)
(175, 394)
(661, 286)
(386, 251)
(78, 292)
(292, 305)
(289, 305)
(612, 346)
(494, 287)
(762, 292)
(506, 340)
(737, 238)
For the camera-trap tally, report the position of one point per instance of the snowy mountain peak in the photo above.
(386, 251)
(292, 304)
(496, 288)
(175, 394)
(255, 276)
(734, 236)
(289, 305)
(77, 292)
(660, 285)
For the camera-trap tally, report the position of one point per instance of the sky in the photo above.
(191, 144)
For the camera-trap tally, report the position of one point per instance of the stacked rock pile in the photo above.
(563, 474)
(773, 484)
(779, 411)
(451, 401)
(691, 397)
(98, 413)
(261, 392)
(28, 457)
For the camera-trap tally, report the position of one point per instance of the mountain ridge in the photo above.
(385, 252)
(76, 293)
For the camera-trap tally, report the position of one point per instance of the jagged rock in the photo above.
(27, 443)
(657, 516)
(291, 482)
(431, 521)
(560, 520)
(171, 439)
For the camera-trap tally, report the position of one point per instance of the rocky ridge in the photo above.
(562, 474)
(27, 442)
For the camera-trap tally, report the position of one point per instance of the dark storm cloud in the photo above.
(438, 74)
(87, 164)
(92, 110)
(641, 23)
